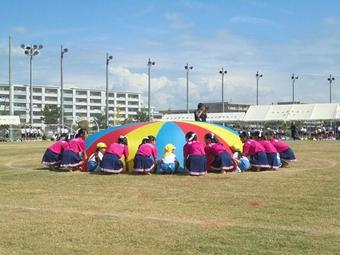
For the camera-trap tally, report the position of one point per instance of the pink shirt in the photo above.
(58, 147)
(193, 148)
(76, 145)
(252, 147)
(279, 145)
(148, 150)
(268, 146)
(216, 148)
(118, 149)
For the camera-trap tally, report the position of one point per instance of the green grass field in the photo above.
(291, 211)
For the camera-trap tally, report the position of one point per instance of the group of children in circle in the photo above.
(261, 151)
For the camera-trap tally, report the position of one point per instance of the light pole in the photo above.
(188, 68)
(62, 52)
(10, 88)
(294, 78)
(150, 63)
(223, 72)
(108, 59)
(258, 76)
(330, 80)
(31, 51)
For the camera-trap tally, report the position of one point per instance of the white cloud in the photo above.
(250, 20)
(20, 29)
(178, 20)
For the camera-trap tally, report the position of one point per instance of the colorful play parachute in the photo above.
(165, 132)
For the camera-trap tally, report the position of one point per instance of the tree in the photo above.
(100, 119)
(142, 115)
(51, 114)
(127, 121)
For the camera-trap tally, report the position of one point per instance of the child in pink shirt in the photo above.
(53, 153)
(222, 154)
(145, 160)
(111, 162)
(255, 152)
(286, 153)
(273, 156)
(195, 159)
(75, 155)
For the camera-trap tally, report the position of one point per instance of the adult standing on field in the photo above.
(201, 113)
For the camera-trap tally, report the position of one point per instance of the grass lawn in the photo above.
(291, 211)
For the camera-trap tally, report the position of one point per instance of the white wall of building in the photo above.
(78, 103)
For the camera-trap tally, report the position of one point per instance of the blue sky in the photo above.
(274, 37)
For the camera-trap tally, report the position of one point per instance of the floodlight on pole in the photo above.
(31, 51)
(258, 76)
(330, 80)
(223, 72)
(150, 64)
(62, 52)
(187, 67)
(108, 59)
(294, 78)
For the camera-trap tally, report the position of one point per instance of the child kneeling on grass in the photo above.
(95, 159)
(111, 163)
(145, 160)
(195, 159)
(286, 153)
(169, 163)
(53, 154)
(75, 155)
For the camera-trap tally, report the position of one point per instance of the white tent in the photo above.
(212, 117)
(9, 120)
(292, 112)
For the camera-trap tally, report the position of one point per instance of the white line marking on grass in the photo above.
(208, 223)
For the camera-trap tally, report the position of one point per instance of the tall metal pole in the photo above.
(294, 77)
(223, 72)
(330, 80)
(149, 92)
(107, 91)
(150, 63)
(187, 90)
(31, 50)
(108, 58)
(62, 87)
(258, 76)
(31, 93)
(188, 68)
(11, 112)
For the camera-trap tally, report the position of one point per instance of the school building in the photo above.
(78, 103)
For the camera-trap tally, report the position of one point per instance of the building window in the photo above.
(81, 107)
(37, 98)
(121, 95)
(23, 89)
(121, 102)
(95, 94)
(81, 114)
(68, 92)
(51, 91)
(68, 113)
(36, 90)
(132, 103)
(21, 113)
(68, 106)
(19, 97)
(95, 101)
(53, 99)
(81, 100)
(19, 105)
(4, 88)
(111, 94)
(95, 108)
(81, 93)
(68, 99)
(133, 96)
